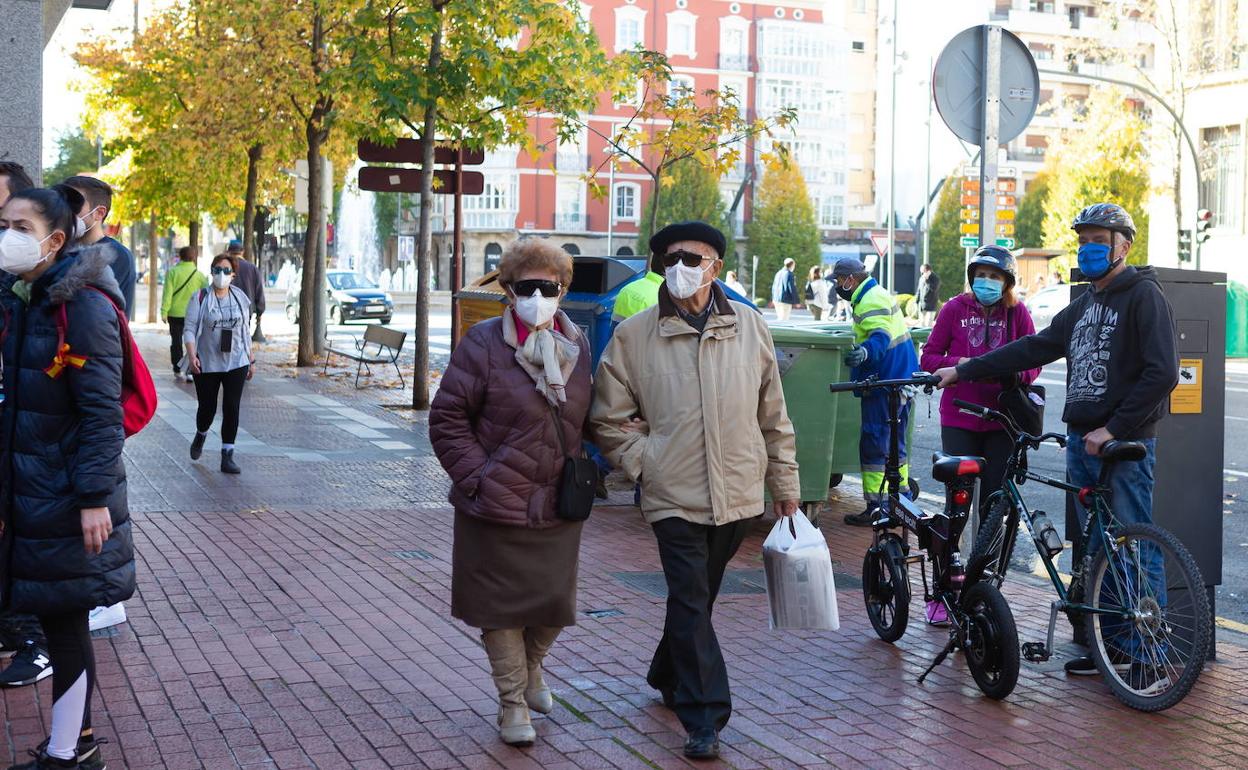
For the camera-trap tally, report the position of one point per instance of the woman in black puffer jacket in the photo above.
(67, 543)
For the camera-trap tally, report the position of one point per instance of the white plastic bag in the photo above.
(800, 590)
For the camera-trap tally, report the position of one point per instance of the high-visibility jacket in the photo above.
(637, 296)
(880, 327)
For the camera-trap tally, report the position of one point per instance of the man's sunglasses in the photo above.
(686, 258)
(222, 271)
(548, 289)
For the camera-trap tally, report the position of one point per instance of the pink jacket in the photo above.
(964, 330)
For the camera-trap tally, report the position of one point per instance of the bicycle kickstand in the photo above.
(1039, 652)
(953, 643)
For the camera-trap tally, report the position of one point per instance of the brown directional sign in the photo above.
(407, 180)
(408, 151)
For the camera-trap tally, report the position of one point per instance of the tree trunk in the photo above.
(193, 234)
(420, 379)
(153, 265)
(654, 210)
(312, 290)
(254, 154)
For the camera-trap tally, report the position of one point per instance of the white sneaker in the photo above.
(103, 617)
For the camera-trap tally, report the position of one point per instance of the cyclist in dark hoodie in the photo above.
(1122, 363)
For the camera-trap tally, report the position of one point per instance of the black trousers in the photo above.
(16, 628)
(207, 385)
(73, 658)
(176, 349)
(993, 445)
(688, 662)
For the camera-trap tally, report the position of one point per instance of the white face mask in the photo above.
(20, 252)
(683, 282)
(536, 310)
(81, 228)
(221, 280)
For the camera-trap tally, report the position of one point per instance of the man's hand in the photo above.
(636, 425)
(251, 370)
(97, 525)
(785, 508)
(948, 376)
(1093, 441)
(195, 364)
(855, 356)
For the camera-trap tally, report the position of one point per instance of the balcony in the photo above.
(571, 222)
(1026, 154)
(572, 160)
(737, 62)
(489, 220)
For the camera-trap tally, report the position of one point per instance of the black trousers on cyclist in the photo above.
(992, 445)
(207, 386)
(73, 679)
(688, 663)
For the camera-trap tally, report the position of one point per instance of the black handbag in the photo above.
(1024, 404)
(579, 481)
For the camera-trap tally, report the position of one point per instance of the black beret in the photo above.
(687, 231)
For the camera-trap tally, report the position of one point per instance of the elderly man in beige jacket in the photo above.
(687, 401)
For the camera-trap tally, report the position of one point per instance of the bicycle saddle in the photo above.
(1123, 451)
(947, 468)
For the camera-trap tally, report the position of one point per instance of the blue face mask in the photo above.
(987, 290)
(1094, 260)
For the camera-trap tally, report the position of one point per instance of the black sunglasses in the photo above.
(526, 288)
(687, 258)
(222, 271)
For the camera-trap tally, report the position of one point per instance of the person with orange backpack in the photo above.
(68, 545)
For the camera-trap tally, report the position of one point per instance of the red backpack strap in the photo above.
(63, 356)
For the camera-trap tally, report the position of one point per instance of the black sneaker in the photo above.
(42, 761)
(703, 743)
(89, 755)
(197, 445)
(31, 664)
(1147, 679)
(1084, 665)
(864, 519)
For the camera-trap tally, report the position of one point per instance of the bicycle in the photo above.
(1136, 585)
(980, 621)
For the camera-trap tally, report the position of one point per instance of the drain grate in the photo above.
(417, 554)
(610, 612)
(736, 581)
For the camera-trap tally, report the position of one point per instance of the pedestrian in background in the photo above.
(68, 539)
(688, 403)
(784, 290)
(219, 355)
(89, 231)
(817, 291)
(732, 283)
(929, 294)
(182, 282)
(970, 325)
(512, 402)
(247, 277)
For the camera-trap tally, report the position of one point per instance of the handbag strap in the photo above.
(554, 416)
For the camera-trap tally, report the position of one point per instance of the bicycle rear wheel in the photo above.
(886, 587)
(1154, 650)
(991, 642)
(994, 543)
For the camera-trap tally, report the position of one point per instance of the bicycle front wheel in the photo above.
(886, 587)
(991, 643)
(1152, 644)
(994, 542)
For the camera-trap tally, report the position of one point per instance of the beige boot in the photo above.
(505, 648)
(537, 642)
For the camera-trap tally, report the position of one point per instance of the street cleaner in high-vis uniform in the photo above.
(882, 347)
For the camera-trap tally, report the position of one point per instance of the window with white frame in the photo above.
(682, 34)
(630, 139)
(832, 212)
(630, 27)
(734, 43)
(570, 205)
(680, 85)
(627, 196)
(496, 206)
(1222, 182)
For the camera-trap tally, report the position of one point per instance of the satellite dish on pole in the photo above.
(959, 84)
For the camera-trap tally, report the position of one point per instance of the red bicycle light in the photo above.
(1085, 496)
(968, 468)
(961, 497)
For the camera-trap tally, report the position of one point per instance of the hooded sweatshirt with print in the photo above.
(1121, 358)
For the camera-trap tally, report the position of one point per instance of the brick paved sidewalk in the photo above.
(298, 616)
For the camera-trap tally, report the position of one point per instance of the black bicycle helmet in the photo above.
(995, 257)
(1111, 216)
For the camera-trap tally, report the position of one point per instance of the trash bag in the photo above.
(800, 590)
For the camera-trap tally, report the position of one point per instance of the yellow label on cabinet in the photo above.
(1185, 398)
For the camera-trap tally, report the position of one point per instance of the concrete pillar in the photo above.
(21, 84)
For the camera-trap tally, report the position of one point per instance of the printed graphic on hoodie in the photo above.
(1089, 353)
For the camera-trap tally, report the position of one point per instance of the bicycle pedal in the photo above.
(1036, 652)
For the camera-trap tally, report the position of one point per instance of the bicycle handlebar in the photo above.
(924, 380)
(986, 413)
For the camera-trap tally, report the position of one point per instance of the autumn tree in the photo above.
(948, 257)
(1101, 158)
(1029, 223)
(784, 225)
(694, 194)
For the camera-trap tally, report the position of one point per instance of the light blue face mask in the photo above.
(987, 290)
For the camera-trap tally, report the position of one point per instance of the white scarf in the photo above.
(546, 355)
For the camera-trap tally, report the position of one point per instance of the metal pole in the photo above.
(457, 246)
(990, 141)
(611, 207)
(927, 173)
(890, 263)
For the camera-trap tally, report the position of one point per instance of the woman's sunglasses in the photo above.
(686, 258)
(222, 271)
(548, 289)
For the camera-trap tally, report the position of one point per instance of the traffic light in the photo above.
(1185, 245)
(1204, 221)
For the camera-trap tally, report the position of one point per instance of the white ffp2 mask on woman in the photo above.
(536, 310)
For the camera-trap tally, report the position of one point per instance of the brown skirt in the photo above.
(513, 577)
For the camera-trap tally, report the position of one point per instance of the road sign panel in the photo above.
(1007, 214)
(970, 185)
(1003, 201)
(1005, 228)
(407, 180)
(970, 228)
(970, 215)
(1006, 185)
(409, 151)
(1008, 243)
(969, 242)
(959, 86)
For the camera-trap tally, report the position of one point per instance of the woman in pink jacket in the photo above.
(971, 324)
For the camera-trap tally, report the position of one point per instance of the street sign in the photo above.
(880, 242)
(1002, 201)
(959, 84)
(1008, 243)
(971, 242)
(409, 151)
(970, 228)
(1005, 228)
(379, 179)
(970, 215)
(1007, 213)
(407, 248)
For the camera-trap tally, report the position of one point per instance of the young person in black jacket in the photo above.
(1122, 363)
